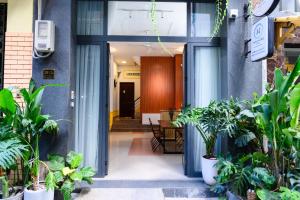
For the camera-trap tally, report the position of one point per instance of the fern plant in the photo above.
(11, 149)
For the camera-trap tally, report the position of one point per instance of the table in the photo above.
(167, 125)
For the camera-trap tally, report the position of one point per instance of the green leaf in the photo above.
(58, 176)
(56, 163)
(267, 195)
(244, 139)
(290, 80)
(74, 159)
(67, 188)
(7, 102)
(87, 172)
(66, 171)
(25, 95)
(50, 181)
(10, 150)
(295, 106)
(76, 176)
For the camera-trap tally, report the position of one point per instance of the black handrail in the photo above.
(137, 99)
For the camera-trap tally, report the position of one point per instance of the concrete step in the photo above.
(147, 190)
(129, 125)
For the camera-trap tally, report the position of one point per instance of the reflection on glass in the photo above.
(203, 19)
(207, 88)
(89, 17)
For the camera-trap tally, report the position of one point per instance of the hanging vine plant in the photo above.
(221, 13)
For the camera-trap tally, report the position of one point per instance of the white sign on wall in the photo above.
(262, 39)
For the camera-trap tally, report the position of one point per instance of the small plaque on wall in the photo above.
(49, 74)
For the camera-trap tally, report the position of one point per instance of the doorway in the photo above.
(126, 99)
(146, 82)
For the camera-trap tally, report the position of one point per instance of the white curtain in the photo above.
(89, 17)
(207, 88)
(87, 103)
(203, 19)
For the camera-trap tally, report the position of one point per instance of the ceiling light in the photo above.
(123, 61)
(179, 49)
(113, 50)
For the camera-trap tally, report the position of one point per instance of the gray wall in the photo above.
(56, 100)
(243, 76)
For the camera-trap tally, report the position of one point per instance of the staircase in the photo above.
(129, 125)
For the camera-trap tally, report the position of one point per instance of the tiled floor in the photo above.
(136, 173)
(131, 158)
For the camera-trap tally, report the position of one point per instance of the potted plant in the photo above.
(65, 172)
(217, 118)
(276, 166)
(30, 125)
(11, 147)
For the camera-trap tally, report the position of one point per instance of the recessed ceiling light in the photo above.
(123, 61)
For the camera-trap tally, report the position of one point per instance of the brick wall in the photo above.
(18, 59)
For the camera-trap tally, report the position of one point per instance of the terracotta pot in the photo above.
(209, 171)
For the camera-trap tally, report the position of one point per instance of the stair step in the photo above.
(129, 125)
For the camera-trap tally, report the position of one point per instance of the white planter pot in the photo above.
(209, 171)
(41, 194)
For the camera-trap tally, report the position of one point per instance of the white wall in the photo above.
(114, 92)
(113, 74)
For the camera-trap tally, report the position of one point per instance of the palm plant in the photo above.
(278, 116)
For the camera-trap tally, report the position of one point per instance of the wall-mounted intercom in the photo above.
(44, 38)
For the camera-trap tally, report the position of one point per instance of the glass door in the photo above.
(91, 124)
(203, 74)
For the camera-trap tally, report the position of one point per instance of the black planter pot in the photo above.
(58, 195)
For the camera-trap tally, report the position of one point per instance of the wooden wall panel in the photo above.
(178, 81)
(157, 84)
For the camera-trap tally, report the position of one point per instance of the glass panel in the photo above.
(203, 19)
(288, 5)
(134, 18)
(297, 6)
(87, 103)
(89, 17)
(207, 88)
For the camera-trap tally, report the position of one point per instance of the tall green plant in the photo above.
(278, 117)
(11, 147)
(31, 125)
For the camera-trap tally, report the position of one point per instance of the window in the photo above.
(203, 19)
(90, 17)
(290, 5)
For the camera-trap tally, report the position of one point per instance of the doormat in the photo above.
(142, 147)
